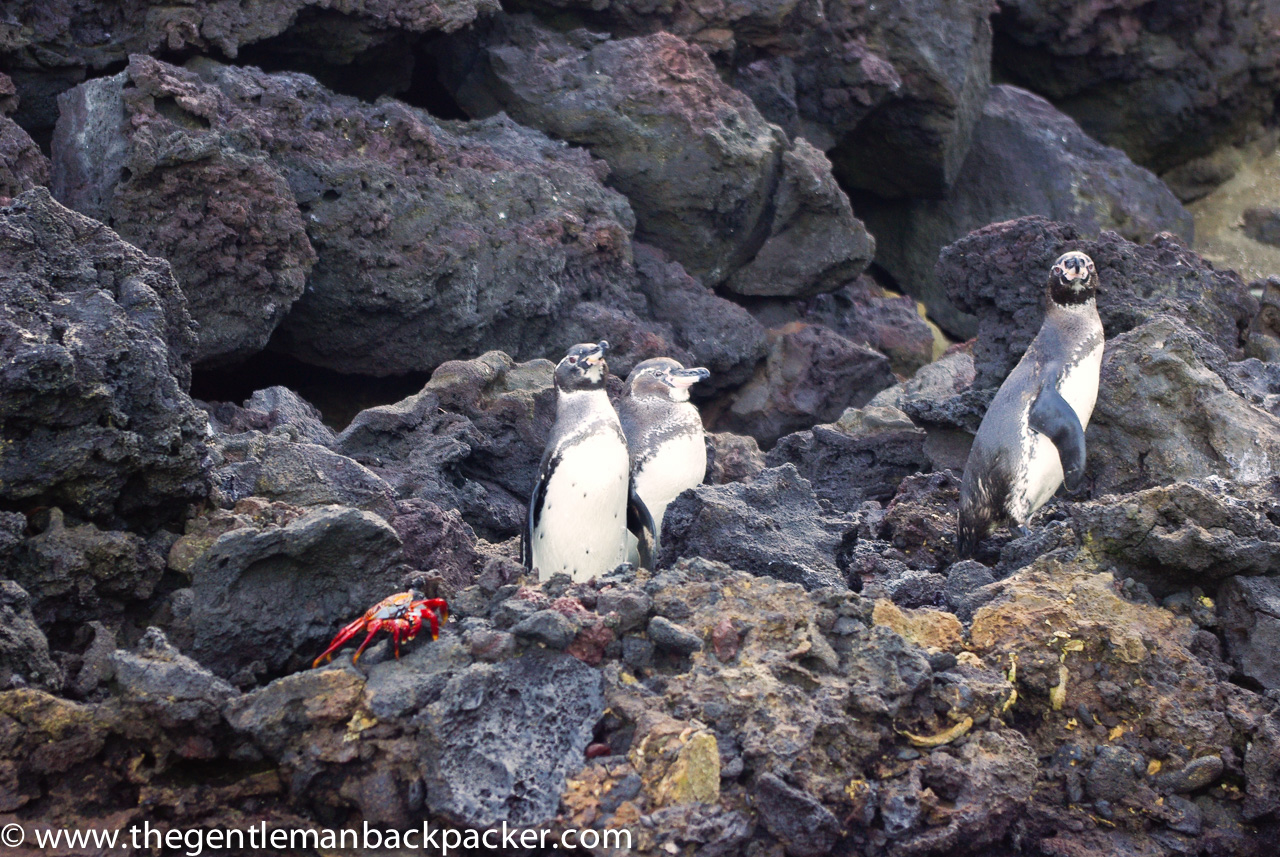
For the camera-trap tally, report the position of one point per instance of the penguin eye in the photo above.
(573, 359)
(1058, 270)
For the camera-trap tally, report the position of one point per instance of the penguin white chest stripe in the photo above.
(581, 526)
(1042, 473)
(679, 463)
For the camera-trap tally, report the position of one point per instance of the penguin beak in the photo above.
(597, 357)
(685, 378)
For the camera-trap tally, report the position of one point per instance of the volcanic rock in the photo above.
(811, 375)
(1155, 83)
(432, 239)
(1169, 409)
(1026, 158)
(22, 164)
(24, 651)
(770, 526)
(96, 341)
(862, 456)
(276, 593)
(711, 181)
(1249, 608)
(471, 440)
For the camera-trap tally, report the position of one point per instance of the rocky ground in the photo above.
(845, 211)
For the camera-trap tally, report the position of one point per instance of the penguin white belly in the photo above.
(1079, 387)
(582, 527)
(680, 463)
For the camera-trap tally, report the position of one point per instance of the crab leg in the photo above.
(339, 641)
(374, 627)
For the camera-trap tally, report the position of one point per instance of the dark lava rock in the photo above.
(1170, 408)
(805, 827)
(24, 651)
(77, 572)
(862, 312)
(718, 334)
(810, 376)
(1249, 608)
(271, 408)
(999, 273)
(711, 181)
(437, 539)
(732, 458)
(471, 440)
(1154, 82)
(140, 156)
(1113, 774)
(667, 635)
(1189, 533)
(164, 685)
(920, 521)
(433, 239)
(501, 740)
(22, 164)
(914, 143)
(549, 627)
(71, 40)
(864, 455)
(274, 467)
(1263, 224)
(770, 526)
(963, 579)
(1026, 158)
(95, 343)
(814, 243)
(278, 594)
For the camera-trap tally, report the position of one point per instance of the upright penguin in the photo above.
(664, 432)
(1033, 434)
(583, 503)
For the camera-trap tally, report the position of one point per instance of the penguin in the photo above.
(1031, 439)
(664, 433)
(583, 502)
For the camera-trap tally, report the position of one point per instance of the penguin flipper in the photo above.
(640, 524)
(536, 501)
(1054, 418)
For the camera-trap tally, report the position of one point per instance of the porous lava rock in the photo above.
(1186, 534)
(470, 440)
(130, 155)
(1026, 158)
(811, 375)
(96, 344)
(1169, 408)
(24, 651)
(274, 588)
(711, 181)
(772, 525)
(432, 238)
(22, 164)
(862, 312)
(1165, 84)
(864, 455)
(50, 47)
(1250, 611)
(999, 274)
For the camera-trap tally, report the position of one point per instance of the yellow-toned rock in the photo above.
(932, 629)
(678, 761)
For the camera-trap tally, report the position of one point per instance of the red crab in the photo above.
(401, 614)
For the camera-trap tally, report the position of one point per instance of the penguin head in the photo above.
(1073, 279)
(583, 368)
(663, 378)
